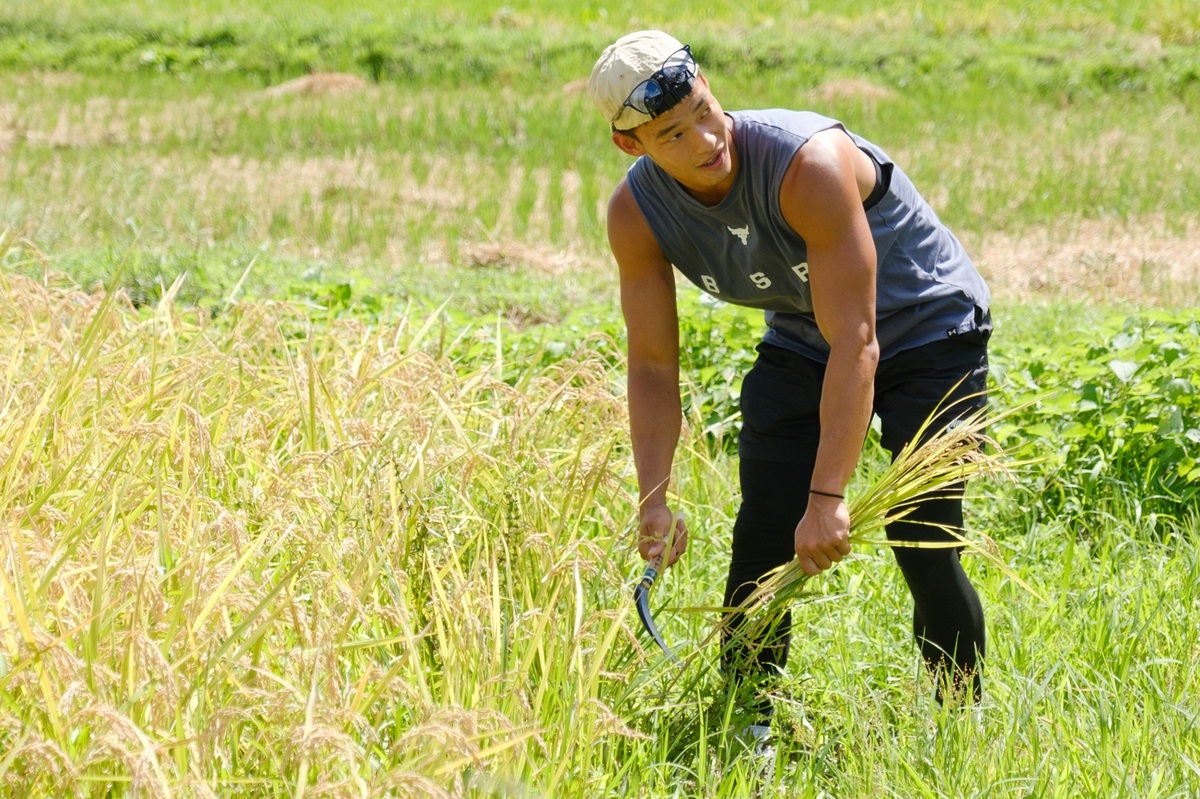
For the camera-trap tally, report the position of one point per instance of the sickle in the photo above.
(641, 597)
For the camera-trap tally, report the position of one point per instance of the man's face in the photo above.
(693, 143)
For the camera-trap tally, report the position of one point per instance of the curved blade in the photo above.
(641, 597)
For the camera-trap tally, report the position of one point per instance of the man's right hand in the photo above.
(655, 528)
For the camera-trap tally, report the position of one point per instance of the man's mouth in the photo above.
(714, 160)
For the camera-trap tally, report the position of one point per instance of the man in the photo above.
(871, 306)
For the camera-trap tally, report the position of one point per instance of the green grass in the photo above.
(403, 187)
(271, 556)
(345, 510)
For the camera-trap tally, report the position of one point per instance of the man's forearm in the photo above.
(655, 418)
(846, 402)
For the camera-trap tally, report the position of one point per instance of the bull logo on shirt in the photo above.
(742, 233)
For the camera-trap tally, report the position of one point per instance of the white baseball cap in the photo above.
(621, 67)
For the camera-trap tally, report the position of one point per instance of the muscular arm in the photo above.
(655, 415)
(822, 200)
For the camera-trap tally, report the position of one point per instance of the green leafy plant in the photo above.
(716, 349)
(1115, 413)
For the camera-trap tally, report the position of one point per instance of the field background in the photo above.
(313, 469)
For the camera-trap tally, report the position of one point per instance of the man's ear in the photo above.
(627, 144)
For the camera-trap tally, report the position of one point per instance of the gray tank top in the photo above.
(741, 250)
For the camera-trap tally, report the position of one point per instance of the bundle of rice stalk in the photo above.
(940, 466)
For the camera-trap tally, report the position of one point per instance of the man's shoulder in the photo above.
(622, 197)
(776, 135)
(786, 120)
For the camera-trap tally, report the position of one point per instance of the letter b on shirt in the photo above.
(710, 284)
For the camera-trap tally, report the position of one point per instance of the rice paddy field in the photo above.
(314, 471)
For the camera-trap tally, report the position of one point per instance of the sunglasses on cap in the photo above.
(660, 92)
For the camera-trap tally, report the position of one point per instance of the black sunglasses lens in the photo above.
(652, 98)
(675, 74)
(679, 65)
(670, 84)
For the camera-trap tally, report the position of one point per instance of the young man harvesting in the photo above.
(872, 306)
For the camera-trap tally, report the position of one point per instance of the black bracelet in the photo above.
(826, 494)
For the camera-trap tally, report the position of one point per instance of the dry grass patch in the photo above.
(44, 79)
(1142, 262)
(102, 121)
(852, 89)
(518, 256)
(319, 83)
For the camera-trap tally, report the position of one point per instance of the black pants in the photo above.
(778, 444)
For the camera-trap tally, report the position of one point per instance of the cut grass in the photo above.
(939, 466)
